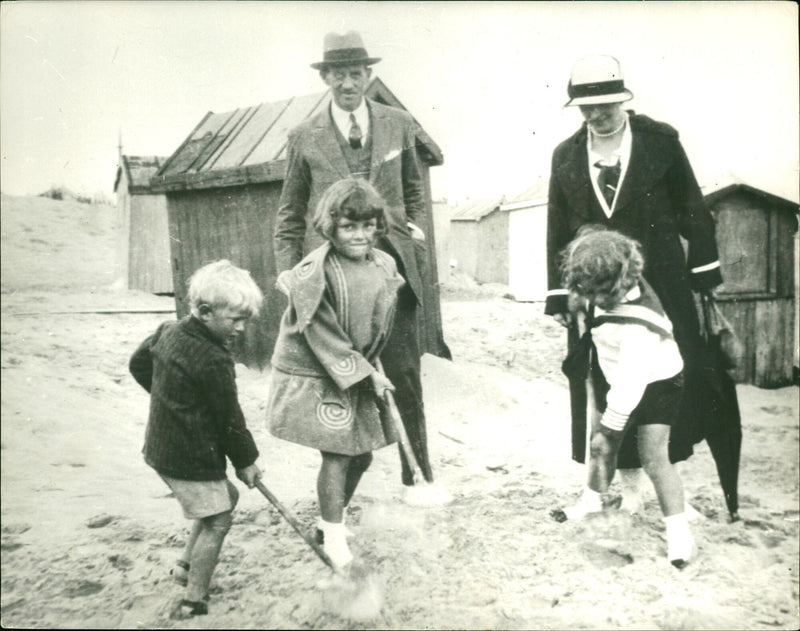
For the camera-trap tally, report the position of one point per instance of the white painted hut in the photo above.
(527, 248)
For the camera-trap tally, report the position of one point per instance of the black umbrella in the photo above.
(717, 402)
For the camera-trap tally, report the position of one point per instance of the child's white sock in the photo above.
(680, 543)
(336, 543)
(347, 532)
(590, 502)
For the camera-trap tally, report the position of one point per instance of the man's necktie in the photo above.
(608, 181)
(355, 133)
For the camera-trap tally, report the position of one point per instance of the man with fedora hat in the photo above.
(356, 137)
(630, 173)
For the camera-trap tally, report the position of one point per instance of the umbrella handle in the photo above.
(294, 523)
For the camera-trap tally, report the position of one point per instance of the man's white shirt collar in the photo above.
(623, 154)
(342, 119)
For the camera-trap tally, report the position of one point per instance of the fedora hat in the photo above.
(344, 50)
(595, 80)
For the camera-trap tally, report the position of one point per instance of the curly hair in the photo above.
(351, 198)
(601, 265)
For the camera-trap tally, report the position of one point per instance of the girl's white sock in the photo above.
(347, 531)
(336, 543)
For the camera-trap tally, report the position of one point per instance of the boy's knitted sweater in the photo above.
(195, 419)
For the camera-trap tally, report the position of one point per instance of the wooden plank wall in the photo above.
(464, 246)
(149, 267)
(492, 249)
(235, 223)
(123, 230)
(773, 352)
(759, 267)
(766, 329)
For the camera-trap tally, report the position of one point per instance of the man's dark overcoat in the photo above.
(658, 203)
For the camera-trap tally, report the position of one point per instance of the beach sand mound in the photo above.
(89, 532)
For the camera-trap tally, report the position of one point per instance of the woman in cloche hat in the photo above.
(630, 173)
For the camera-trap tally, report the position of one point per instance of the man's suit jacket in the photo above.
(315, 161)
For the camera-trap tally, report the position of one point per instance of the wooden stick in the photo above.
(394, 414)
(294, 524)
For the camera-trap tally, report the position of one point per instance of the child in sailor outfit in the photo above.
(637, 357)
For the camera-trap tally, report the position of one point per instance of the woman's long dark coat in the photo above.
(659, 202)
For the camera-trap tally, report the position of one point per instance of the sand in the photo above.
(89, 533)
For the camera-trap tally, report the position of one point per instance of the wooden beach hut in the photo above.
(479, 240)
(143, 255)
(756, 236)
(222, 187)
(499, 241)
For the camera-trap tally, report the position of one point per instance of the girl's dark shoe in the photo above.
(186, 609)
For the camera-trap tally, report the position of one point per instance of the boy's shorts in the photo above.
(203, 498)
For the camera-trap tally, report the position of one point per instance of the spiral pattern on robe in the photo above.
(334, 416)
(305, 270)
(345, 367)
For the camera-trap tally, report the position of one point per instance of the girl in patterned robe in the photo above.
(325, 382)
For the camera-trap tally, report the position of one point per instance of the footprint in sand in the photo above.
(10, 546)
(120, 562)
(99, 521)
(777, 410)
(603, 557)
(82, 588)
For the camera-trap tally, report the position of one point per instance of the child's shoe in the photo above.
(336, 543)
(186, 609)
(590, 502)
(680, 543)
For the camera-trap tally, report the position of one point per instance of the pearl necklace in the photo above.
(611, 133)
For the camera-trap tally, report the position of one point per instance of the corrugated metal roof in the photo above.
(534, 192)
(475, 210)
(138, 171)
(245, 144)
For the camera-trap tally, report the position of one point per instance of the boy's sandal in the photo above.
(180, 572)
(186, 609)
(559, 515)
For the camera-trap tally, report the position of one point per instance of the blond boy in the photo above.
(195, 421)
